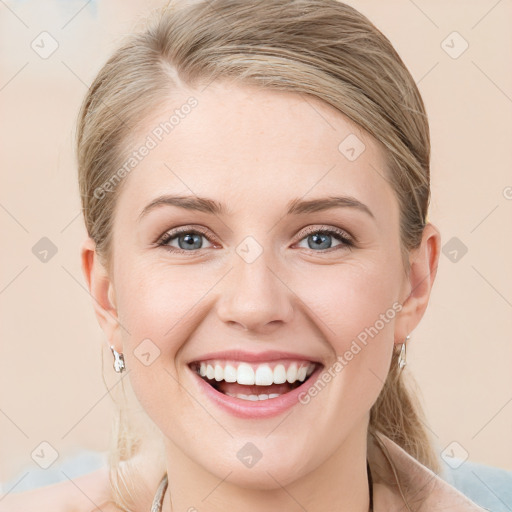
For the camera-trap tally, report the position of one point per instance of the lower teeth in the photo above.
(254, 398)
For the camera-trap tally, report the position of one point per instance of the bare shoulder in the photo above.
(81, 494)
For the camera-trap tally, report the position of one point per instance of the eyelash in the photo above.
(341, 235)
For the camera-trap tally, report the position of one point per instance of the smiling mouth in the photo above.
(254, 382)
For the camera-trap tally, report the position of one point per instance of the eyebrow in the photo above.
(295, 207)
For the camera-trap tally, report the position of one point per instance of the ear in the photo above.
(418, 284)
(102, 292)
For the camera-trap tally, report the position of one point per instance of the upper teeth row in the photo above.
(263, 375)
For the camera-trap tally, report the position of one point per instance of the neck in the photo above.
(339, 483)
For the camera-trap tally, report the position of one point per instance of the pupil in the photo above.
(317, 240)
(190, 238)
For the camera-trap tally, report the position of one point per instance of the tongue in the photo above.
(234, 388)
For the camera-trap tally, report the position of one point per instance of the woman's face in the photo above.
(257, 280)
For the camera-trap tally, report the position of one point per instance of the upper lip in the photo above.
(254, 357)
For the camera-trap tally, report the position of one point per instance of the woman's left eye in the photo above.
(189, 240)
(320, 238)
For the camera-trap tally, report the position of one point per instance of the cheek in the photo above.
(157, 299)
(155, 306)
(355, 306)
(351, 298)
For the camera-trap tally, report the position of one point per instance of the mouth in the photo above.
(254, 389)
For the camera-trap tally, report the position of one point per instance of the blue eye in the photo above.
(322, 239)
(188, 240)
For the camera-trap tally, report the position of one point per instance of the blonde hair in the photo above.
(321, 48)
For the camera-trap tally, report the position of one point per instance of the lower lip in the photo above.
(256, 409)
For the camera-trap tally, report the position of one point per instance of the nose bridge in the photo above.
(254, 294)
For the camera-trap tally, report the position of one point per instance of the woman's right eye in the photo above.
(188, 240)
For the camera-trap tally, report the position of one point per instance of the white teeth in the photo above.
(253, 398)
(279, 374)
(291, 374)
(301, 373)
(230, 373)
(260, 375)
(245, 374)
(264, 376)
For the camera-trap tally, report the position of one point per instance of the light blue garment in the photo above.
(487, 486)
(75, 465)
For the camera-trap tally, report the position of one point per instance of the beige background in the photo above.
(51, 388)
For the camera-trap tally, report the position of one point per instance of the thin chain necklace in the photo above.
(160, 492)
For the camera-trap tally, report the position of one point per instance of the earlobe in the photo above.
(101, 290)
(423, 269)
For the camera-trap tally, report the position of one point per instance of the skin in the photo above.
(254, 151)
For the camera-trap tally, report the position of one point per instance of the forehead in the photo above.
(254, 148)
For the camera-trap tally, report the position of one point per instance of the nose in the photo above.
(254, 297)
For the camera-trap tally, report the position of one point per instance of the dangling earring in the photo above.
(402, 357)
(118, 360)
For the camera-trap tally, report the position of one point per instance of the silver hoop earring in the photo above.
(402, 357)
(119, 365)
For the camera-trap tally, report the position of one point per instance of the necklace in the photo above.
(159, 496)
(162, 487)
